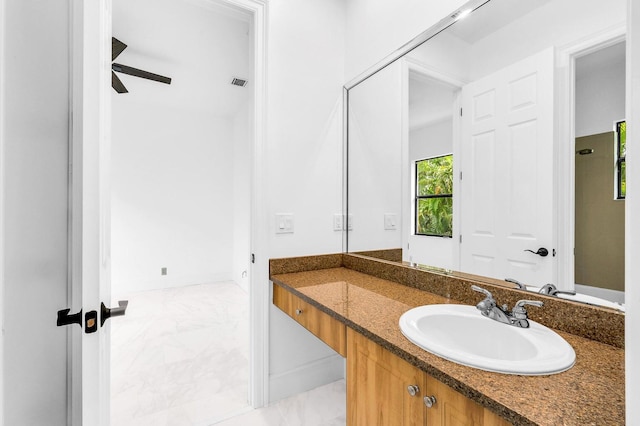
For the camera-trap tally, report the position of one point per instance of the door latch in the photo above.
(91, 322)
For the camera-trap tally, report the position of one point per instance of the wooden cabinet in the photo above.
(378, 386)
(322, 325)
(383, 389)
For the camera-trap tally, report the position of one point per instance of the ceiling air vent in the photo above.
(239, 82)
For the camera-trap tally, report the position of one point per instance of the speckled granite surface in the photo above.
(593, 322)
(590, 393)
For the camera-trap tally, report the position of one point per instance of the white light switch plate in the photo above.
(284, 223)
(337, 222)
(390, 221)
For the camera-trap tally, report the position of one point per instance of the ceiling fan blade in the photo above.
(140, 73)
(116, 47)
(117, 84)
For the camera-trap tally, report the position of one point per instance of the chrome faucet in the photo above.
(516, 317)
(552, 290)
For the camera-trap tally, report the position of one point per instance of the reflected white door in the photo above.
(507, 165)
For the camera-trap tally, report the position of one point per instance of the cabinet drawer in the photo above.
(326, 328)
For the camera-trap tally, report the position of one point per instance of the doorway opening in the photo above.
(433, 102)
(181, 213)
(599, 127)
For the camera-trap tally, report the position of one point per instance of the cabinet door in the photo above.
(377, 386)
(451, 408)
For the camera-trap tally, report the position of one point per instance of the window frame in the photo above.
(620, 160)
(417, 198)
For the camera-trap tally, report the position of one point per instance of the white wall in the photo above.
(180, 152)
(376, 28)
(34, 138)
(600, 94)
(375, 166)
(172, 182)
(242, 144)
(632, 240)
(303, 167)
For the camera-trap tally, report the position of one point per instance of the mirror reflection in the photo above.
(496, 148)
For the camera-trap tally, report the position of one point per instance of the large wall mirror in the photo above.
(494, 145)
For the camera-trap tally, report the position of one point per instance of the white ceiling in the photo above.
(198, 43)
(492, 16)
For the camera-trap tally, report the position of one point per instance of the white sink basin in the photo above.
(460, 333)
(585, 298)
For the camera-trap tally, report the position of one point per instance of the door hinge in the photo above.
(460, 112)
(460, 175)
(253, 258)
(460, 238)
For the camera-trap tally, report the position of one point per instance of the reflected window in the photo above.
(621, 151)
(434, 196)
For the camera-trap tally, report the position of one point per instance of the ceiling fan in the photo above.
(116, 49)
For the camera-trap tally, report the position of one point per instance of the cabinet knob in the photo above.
(298, 311)
(429, 401)
(413, 390)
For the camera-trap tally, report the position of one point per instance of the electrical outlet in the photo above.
(163, 271)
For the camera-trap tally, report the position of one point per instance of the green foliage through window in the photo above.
(434, 196)
(621, 139)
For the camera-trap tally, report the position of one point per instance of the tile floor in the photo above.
(180, 357)
(323, 406)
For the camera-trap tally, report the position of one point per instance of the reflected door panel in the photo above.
(507, 158)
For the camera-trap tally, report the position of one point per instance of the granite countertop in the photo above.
(590, 393)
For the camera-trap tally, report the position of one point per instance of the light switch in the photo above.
(350, 222)
(337, 222)
(284, 223)
(390, 221)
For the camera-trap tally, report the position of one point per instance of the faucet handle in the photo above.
(518, 284)
(521, 303)
(482, 290)
(487, 304)
(519, 311)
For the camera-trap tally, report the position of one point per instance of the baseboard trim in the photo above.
(306, 377)
(125, 287)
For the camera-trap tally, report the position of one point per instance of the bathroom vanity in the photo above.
(353, 304)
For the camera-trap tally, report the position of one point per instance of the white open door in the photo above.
(507, 165)
(90, 211)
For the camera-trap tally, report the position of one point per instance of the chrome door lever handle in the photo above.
(106, 313)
